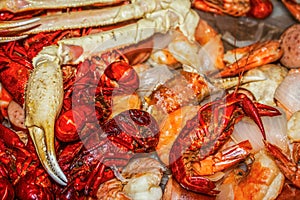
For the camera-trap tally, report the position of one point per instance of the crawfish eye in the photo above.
(80, 163)
(242, 170)
(97, 58)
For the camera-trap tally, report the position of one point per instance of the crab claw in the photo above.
(43, 102)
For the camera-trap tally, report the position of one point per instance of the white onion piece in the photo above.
(209, 54)
(294, 127)
(201, 58)
(184, 51)
(288, 92)
(275, 128)
(151, 78)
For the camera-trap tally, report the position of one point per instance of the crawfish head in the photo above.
(119, 78)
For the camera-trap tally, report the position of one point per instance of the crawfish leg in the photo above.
(289, 168)
(192, 182)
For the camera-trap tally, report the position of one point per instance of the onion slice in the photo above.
(288, 92)
(275, 127)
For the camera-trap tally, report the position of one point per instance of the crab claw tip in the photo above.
(46, 154)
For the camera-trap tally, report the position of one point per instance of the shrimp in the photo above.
(140, 179)
(260, 180)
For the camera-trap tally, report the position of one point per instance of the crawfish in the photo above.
(21, 174)
(195, 154)
(260, 9)
(88, 163)
(14, 70)
(91, 94)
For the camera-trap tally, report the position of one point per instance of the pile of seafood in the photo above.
(117, 99)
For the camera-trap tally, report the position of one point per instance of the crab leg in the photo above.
(12, 27)
(44, 91)
(18, 23)
(24, 5)
(90, 18)
(85, 18)
(11, 38)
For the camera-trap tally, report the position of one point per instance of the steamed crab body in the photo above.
(44, 93)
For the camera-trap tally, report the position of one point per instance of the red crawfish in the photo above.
(88, 163)
(21, 174)
(195, 154)
(255, 8)
(91, 96)
(103, 142)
